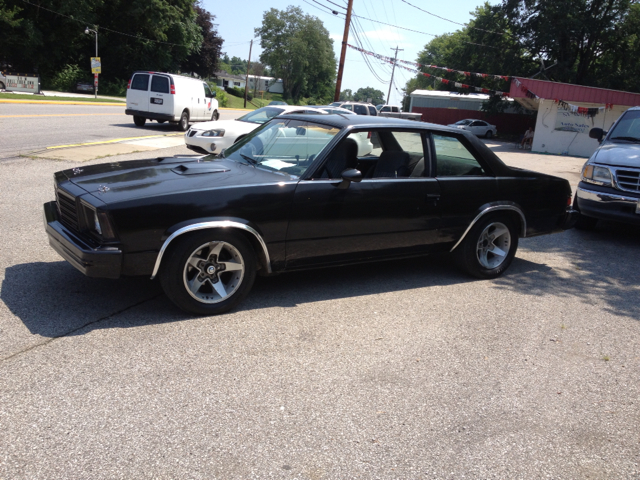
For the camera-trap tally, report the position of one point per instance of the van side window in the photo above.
(160, 84)
(207, 91)
(140, 82)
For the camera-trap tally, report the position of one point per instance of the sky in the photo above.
(236, 24)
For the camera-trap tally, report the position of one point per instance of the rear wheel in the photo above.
(489, 247)
(184, 121)
(489, 134)
(139, 121)
(209, 272)
(161, 121)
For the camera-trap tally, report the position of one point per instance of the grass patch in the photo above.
(236, 102)
(17, 96)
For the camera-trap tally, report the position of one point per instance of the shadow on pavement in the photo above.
(602, 268)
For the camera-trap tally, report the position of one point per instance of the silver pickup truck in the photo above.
(394, 111)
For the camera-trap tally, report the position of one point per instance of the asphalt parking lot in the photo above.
(393, 370)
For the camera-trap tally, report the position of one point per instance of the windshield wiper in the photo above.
(252, 161)
(630, 139)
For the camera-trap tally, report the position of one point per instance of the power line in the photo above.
(82, 22)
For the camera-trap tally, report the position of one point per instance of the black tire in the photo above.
(2, 86)
(489, 134)
(213, 273)
(139, 121)
(160, 121)
(215, 116)
(183, 124)
(475, 255)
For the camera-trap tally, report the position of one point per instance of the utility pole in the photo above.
(393, 70)
(246, 81)
(345, 37)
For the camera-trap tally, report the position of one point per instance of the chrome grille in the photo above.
(628, 180)
(67, 209)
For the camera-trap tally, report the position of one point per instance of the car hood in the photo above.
(124, 181)
(235, 126)
(618, 155)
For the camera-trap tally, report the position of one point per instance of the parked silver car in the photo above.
(479, 128)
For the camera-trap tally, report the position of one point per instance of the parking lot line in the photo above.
(116, 140)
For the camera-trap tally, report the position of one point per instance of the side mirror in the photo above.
(213, 94)
(350, 175)
(597, 133)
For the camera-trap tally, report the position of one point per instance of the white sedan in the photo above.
(480, 128)
(213, 137)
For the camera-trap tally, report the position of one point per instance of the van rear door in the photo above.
(160, 98)
(138, 92)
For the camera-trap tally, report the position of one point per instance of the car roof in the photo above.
(366, 121)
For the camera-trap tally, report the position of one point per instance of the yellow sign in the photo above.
(95, 65)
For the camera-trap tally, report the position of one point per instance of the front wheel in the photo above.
(139, 121)
(209, 272)
(184, 121)
(489, 247)
(215, 116)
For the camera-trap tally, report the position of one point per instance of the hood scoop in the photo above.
(198, 169)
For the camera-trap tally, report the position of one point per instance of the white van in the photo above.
(169, 98)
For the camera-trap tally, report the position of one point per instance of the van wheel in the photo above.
(184, 121)
(139, 121)
(215, 116)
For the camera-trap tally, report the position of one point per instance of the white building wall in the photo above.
(548, 139)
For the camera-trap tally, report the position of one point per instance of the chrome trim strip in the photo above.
(603, 197)
(203, 226)
(523, 232)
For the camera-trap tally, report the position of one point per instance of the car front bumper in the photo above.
(101, 262)
(604, 205)
(207, 145)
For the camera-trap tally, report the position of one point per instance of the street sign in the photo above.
(21, 82)
(96, 67)
(95, 80)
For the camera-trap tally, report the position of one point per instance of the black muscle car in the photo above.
(301, 192)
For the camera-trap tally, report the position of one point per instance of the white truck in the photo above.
(394, 111)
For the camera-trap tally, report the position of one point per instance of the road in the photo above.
(28, 128)
(399, 370)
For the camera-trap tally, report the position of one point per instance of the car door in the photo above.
(334, 221)
(478, 128)
(158, 94)
(465, 180)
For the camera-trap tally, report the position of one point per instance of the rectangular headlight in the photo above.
(214, 133)
(596, 175)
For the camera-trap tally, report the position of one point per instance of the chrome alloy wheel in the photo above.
(213, 272)
(493, 245)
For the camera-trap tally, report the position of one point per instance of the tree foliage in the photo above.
(297, 48)
(160, 35)
(364, 94)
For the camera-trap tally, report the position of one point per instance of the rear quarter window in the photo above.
(140, 81)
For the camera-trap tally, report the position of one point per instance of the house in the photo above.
(256, 83)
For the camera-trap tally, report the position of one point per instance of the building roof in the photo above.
(444, 94)
(570, 93)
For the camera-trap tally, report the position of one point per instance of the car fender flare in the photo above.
(494, 207)
(213, 224)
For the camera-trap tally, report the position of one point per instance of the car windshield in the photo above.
(282, 145)
(463, 122)
(261, 115)
(628, 128)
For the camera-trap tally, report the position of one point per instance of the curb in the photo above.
(53, 102)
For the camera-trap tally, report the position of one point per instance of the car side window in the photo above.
(372, 110)
(389, 153)
(160, 84)
(348, 107)
(140, 82)
(360, 109)
(477, 124)
(453, 159)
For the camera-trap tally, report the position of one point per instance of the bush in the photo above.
(65, 80)
(237, 92)
(113, 88)
(221, 96)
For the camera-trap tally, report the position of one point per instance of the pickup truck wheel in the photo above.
(139, 121)
(489, 134)
(209, 272)
(215, 116)
(489, 247)
(184, 121)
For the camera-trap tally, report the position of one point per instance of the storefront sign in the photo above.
(568, 121)
(18, 82)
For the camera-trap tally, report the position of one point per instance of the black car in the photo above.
(300, 192)
(610, 185)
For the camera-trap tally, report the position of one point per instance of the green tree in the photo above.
(204, 59)
(346, 95)
(298, 49)
(364, 94)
